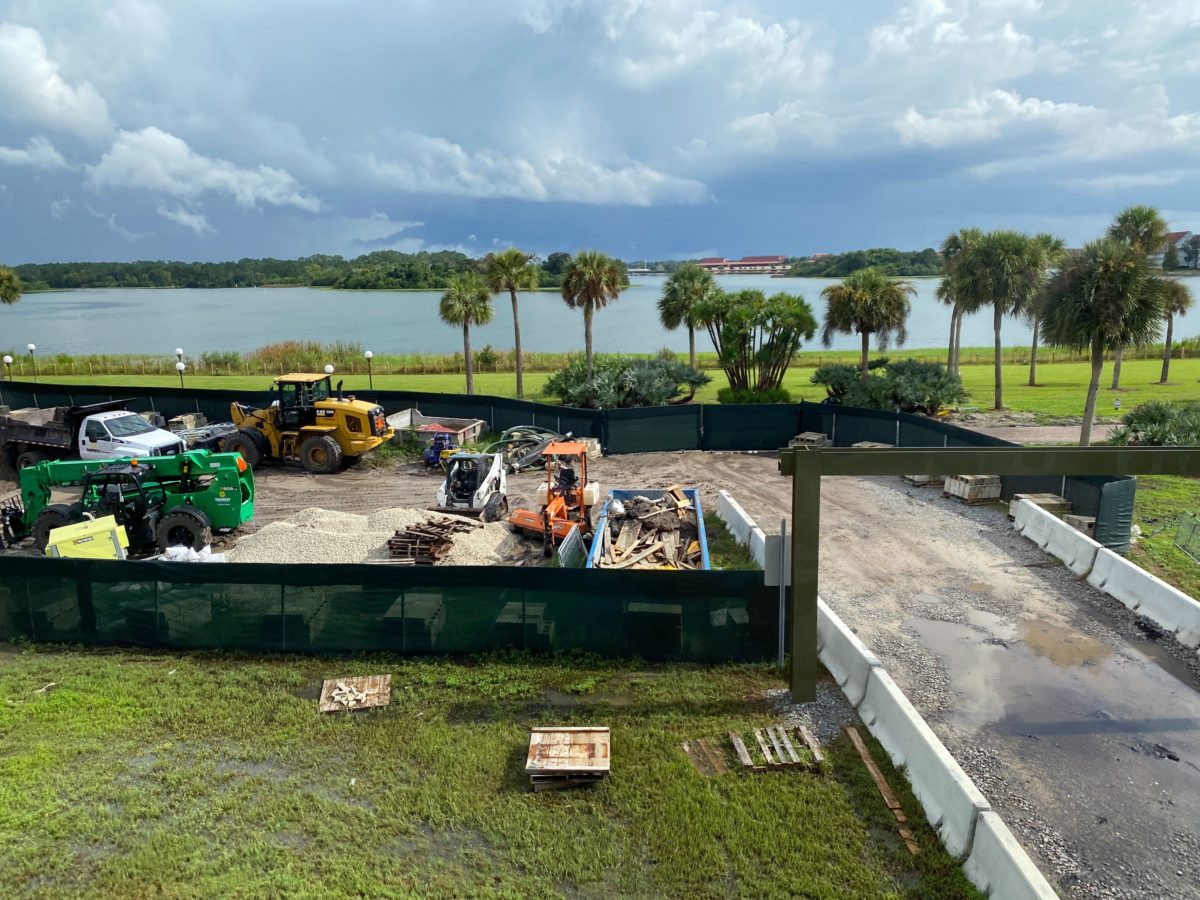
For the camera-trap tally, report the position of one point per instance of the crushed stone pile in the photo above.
(317, 535)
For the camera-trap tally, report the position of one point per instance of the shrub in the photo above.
(770, 395)
(1158, 424)
(622, 381)
(487, 356)
(907, 385)
(219, 361)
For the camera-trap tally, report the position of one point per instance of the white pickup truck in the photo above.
(98, 431)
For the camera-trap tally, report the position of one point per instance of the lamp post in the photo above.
(328, 369)
(179, 367)
(179, 354)
(31, 348)
(370, 378)
(8, 367)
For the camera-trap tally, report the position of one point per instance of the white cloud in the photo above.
(1126, 180)
(988, 116)
(58, 208)
(111, 223)
(32, 90)
(154, 160)
(194, 222)
(39, 153)
(421, 164)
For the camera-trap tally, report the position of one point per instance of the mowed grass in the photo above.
(201, 775)
(1061, 392)
(1161, 503)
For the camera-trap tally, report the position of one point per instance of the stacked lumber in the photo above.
(425, 544)
(651, 534)
(566, 757)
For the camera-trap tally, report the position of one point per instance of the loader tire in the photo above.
(320, 455)
(183, 527)
(56, 515)
(29, 458)
(250, 444)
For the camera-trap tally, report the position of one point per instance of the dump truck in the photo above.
(161, 501)
(96, 431)
(310, 423)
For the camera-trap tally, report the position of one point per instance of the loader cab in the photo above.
(296, 399)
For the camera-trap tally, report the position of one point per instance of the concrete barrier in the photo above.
(843, 654)
(1149, 596)
(1033, 523)
(1000, 868)
(1117, 571)
(1076, 550)
(950, 799)
(742, 527)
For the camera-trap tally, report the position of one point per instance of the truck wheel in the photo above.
(183, 527)
(250, 444)
(29, 458)
(56, 515)
(320, 454)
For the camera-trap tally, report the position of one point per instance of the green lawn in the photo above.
(1061, 392)
(202, 775)
(1161, 502)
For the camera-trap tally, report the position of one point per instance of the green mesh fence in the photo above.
(695, 616)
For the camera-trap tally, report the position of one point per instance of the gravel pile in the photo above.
(318, 535)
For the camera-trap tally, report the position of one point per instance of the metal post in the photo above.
(782, 589)
(806, 527)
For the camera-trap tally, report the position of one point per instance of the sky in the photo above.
(221, 129)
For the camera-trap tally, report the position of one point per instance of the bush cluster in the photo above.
(623, 381)
(767, 395)
(1158, 423)
(908, 385)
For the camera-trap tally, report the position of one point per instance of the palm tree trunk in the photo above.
(470, 363)
(1089, 408)
(517, 342)
(1037, 324)
(1116, 382)
(950, 350)
(996, 321)
(692, 346)
(1167, 349)
(587, 337)
(866, 349)
(962, 313)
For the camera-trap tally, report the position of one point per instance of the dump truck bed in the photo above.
(596, 555)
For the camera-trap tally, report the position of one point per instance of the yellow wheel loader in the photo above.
(310, 423)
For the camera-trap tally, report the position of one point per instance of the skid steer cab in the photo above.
(310, 423)
(476, 485)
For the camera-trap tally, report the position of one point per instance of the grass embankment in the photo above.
(1158, 509)
(724, 550)
(145, 774)
(1062, 389)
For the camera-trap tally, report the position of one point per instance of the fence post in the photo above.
(282, 619)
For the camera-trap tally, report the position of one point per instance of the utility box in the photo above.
(972, 488)
(94, 539)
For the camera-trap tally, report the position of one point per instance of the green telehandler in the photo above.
(162, 501)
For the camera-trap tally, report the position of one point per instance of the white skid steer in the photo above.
(475, 485)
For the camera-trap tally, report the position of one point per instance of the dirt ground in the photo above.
(1081, 728)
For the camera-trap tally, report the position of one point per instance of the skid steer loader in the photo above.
(310, 423)
(475, 485)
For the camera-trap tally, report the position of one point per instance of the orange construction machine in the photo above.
(567, 499)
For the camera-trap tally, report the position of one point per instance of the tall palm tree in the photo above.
(1100, 300)
(467, 302)
(1054, 251)
(1003, 270)
(10, 286)
(512, 270)
(952, 249)
(867, 302)
(590, 282)
(1176, 300)
(686, 288)
(1142, 228)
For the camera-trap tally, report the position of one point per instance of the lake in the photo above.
(154, 322)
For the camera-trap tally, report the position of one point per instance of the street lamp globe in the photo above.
(328, 370)
(369, 355)
(7, 360)
(179, 353)
(31, 347)
(179, 367)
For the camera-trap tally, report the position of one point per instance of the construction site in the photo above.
(418, 534)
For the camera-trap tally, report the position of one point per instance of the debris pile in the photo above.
(651, 534)
(355, 692)
(349, 696)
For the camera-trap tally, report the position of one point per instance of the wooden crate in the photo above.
(972, 488)
(378, 689)
(568, 752)
(1051, 503)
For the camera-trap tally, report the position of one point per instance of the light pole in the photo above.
(8, 367)
(370, 378)
(328, 369)
(31, 348)
(179, 367)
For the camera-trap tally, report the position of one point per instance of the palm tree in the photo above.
(1000, 269)
(867, 302)
(1176, 300)
(952, 249)
(1101, 300)
(590, 282)
(512, 270)
(10, 286)
(467, 302)
(688, 286)
(1054, 251)
(1142, 228)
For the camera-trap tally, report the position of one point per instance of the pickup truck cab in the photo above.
(109, 435)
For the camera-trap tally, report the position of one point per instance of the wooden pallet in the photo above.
(776, 748)
(562, 757)
(378, 690)
(925, 480)
(973, 501)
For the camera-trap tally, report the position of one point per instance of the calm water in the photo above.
(156, 321)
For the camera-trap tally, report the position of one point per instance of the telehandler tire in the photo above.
(183, 527)
(56, 515)
(250, 443)
(29, 458)
(320, 455)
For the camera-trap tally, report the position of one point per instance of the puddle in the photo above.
(1063, 646)
(928, 598)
